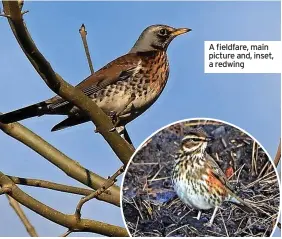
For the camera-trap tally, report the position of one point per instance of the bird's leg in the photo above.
(124, 134)
(213, 217)
(115, 119)
(199, 215)
(114, 115)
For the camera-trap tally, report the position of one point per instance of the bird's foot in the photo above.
(112, 129)
(198, 216)
(209, 224)
(115, 120)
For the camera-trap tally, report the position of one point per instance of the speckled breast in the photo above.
(146, 85)
(189, 182)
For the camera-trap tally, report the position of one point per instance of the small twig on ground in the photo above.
(136, 226)
(254, 161)
(137, 208)
(109, 182)
(227, 234)
(83, 34)
(16, 206)
(171, 232)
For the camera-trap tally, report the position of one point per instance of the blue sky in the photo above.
(250, 101)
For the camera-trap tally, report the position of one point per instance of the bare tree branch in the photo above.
(278, 155)
(98, 192)
(68, 221)
(103, 125)
(66, 164)
(50, 185)
(62, 88)
(16, 206)
(83, 34)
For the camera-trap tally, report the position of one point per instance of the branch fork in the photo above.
(110, 181)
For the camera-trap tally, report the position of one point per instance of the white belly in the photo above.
(115, 103)
(189, 196)
(123, 103)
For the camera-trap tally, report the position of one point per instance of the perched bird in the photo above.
(198, 180)
(123, 89)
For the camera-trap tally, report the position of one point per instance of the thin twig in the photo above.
(138, 209)
(262, 170)
(276, 159)
(110, 181)
(66, 233)
(83, 34)
(177, 229)
(16, 206)
(227, 234)
(156, 174)
(278, 155)
(254, 164)
(51, 185)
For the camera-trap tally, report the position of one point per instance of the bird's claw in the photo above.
(208, 224)
(113, 115)
(112, 129)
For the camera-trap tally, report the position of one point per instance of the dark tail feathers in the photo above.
(68, 122)
(24, 113)
(242, 204)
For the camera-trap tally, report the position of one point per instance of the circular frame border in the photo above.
(190, 119)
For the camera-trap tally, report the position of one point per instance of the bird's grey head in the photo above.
(157, 37)
(195, 142)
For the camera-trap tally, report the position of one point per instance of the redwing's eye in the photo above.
(163, 32)
(188, 142)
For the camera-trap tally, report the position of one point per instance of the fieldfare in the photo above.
(198, 180)
(123, 89)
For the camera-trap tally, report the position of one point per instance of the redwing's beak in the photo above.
(209, 138)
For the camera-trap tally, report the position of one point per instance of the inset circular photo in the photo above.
(200, 177)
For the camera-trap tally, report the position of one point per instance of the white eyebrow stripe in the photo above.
(193, 137)
(191, 149)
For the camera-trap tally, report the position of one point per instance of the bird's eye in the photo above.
(163, 32)
(188, 141)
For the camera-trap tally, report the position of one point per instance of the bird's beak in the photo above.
(209, 138)
(180, 31)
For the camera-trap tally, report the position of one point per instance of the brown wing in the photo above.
(117, 70)
(217, 172)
